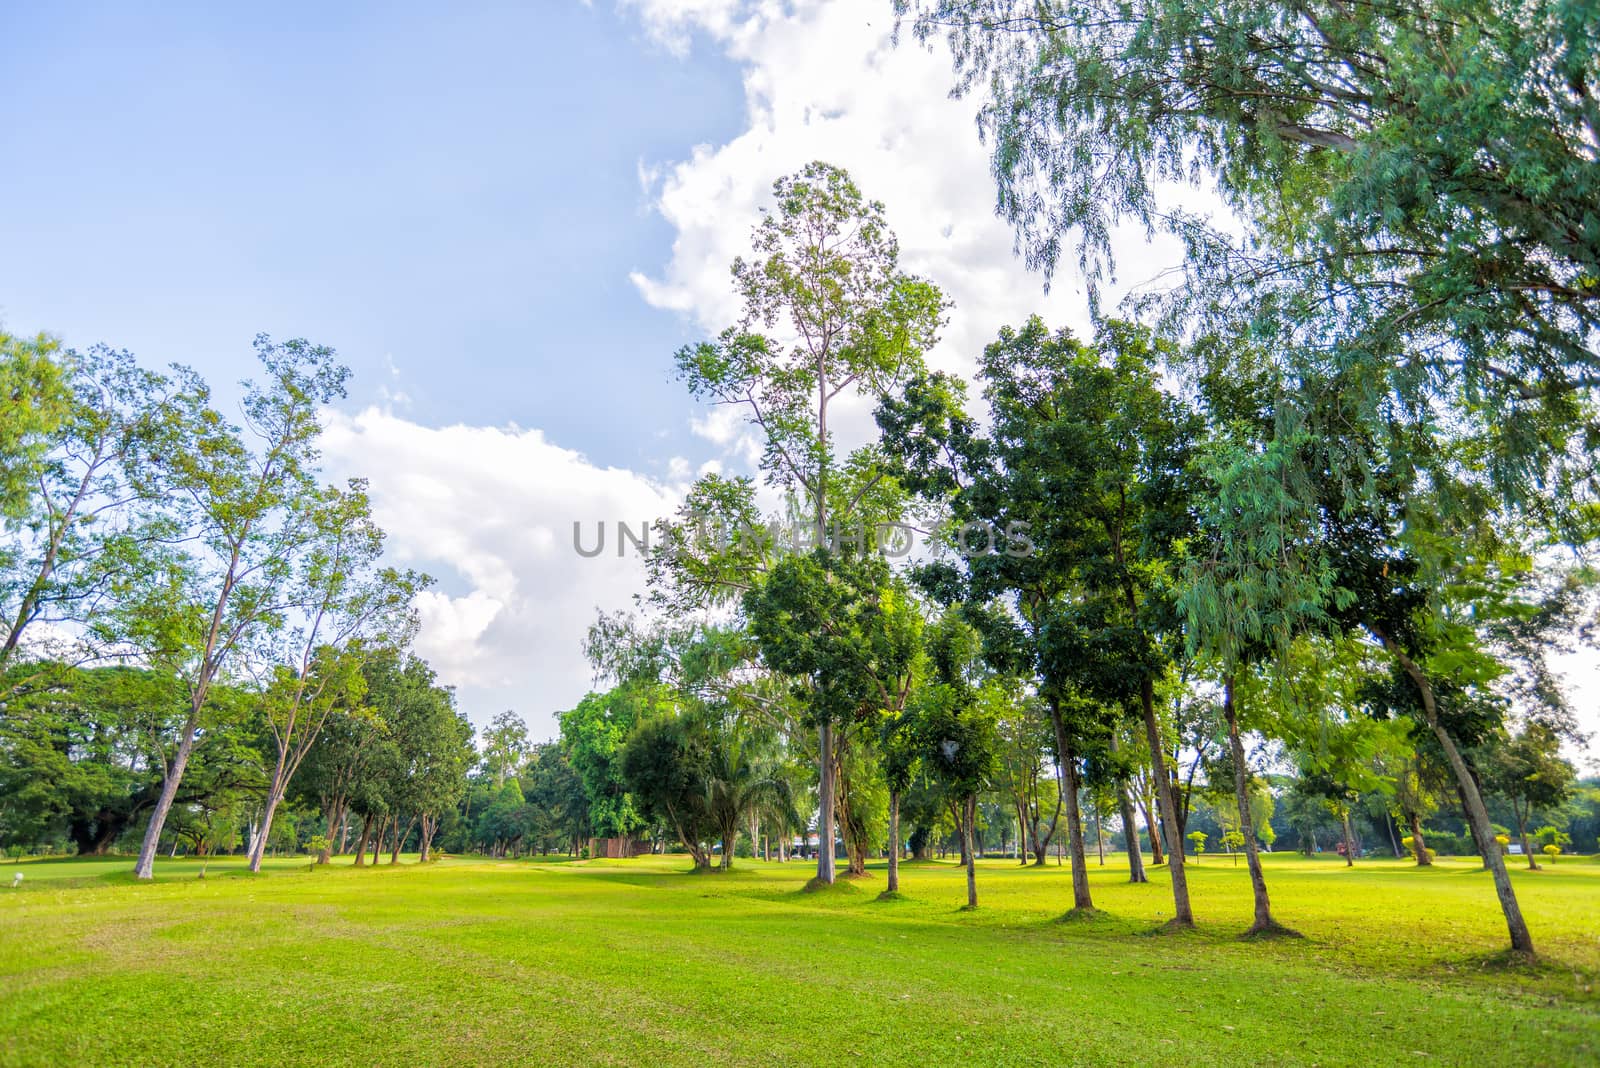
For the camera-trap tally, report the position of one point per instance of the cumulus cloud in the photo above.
(489, 512)
(823, 80)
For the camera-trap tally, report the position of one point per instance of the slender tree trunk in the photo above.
(967, 825)
(1130, 827)
(894, 842)
(1081, 899)
(428, 824)
(400, 838)
(259, 846)
(1477, 814)
(1183, 915)
(825, 787)
(1067, 788)
(1522, 835)
(361, 844)
(1419, 848)
(1349, 839)
(1157, 857)
(377, 842)
(1241, 791)
(144, 868)
(344, 824)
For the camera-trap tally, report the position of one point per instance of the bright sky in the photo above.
(506, 218)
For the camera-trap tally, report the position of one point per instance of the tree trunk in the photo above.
(361, 844)
(1522, 834)
(1130, 827)
(1183, 916)
(1157, 857)
(1349, 839)
(274, 795)
(894, 842)
(967, 825)
(144, 868)
(1067, 789)
(1241, 791)
(825, 787)
(400, 838)
(429, 825)
(1081, 899)
(377, 842)
(1477, 814)
(1419, 848)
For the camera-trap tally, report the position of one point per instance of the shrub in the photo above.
(1552, 836)
(1552, 851)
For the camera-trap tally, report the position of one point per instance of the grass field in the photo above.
(634, 962)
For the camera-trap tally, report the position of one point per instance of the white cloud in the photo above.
(823, 80)
(489, 511)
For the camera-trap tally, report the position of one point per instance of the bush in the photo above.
(1552, 851)
(1551, 836)
(1451, 845)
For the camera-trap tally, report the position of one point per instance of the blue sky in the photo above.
(451, 187)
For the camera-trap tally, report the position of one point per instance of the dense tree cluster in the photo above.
(203, 648)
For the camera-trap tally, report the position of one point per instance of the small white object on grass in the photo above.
(16, 880)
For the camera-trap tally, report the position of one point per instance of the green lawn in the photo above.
(628, 962)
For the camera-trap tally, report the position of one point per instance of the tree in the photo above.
(81, 753)
(1085, 475)
(1025, 734)
(347, 605)
(828, 314)
(956, 727)
(667, 765)
(77, 481)
(505, 744)
(1528, 771)
(740, 778)
(1414, 179)
(1255, 582)
(593, 735)
(237, 495)
(851, 632)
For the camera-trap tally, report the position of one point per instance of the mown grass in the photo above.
(627, 962)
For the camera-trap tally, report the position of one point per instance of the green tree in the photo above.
(593, 735)
(1416, 181)
(828, 314)
(77, 481)
(956, 726)
(666, 764)
(238, 497)
(1528, 771)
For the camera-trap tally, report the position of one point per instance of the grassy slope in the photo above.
(628, 962)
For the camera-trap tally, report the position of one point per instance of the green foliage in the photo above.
(593, 734)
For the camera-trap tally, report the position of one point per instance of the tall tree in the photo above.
(236, 495)
(828, 314)
(346, 605)
(956, 725)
